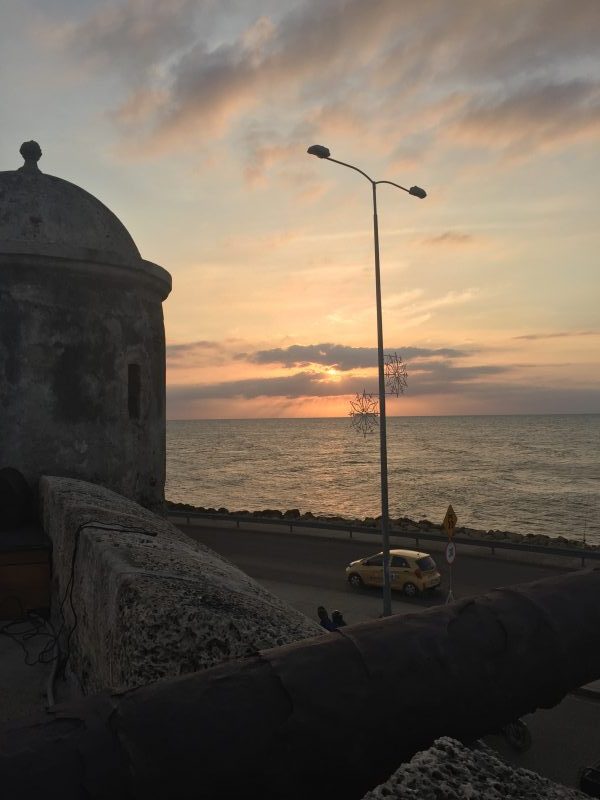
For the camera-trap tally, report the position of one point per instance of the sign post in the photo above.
(449, 524)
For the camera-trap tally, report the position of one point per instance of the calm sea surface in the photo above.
(528, 474)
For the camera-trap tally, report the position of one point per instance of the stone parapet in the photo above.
(137, 600)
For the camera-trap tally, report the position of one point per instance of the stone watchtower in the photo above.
(82, 345)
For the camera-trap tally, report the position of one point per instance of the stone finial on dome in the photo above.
(31, 152)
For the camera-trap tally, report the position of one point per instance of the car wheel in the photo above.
(355, 580)
(410, 590)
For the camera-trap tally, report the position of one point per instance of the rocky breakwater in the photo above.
(401, 526)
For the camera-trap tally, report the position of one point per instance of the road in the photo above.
(307, 571)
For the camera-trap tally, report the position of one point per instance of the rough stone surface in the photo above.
(42, 212)
(82, 350)
(451, 771)
(139, 606)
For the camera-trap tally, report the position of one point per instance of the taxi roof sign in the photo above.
(449, 522)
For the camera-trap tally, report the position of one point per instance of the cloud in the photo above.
(557, 335)
(134, 35)
(200, 353)
(412, 307)
(266, 148)
(301, 384)
(538, 115)
(510, 73)
(440, 378)
(415, 308)
(341, 357)
(434, 378)
(449, 238)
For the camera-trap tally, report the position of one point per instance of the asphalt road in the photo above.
(307, 571)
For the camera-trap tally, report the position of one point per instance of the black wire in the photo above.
(36, 625)
(71, 583)
(29, 626)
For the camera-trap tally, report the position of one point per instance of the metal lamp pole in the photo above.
(323, 152)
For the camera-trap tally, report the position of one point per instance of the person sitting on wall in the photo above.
(324, 620)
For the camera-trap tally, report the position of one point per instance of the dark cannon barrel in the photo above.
(327, 717)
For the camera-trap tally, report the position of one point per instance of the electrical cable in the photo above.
(27, 626)
(102, 526)
(31, 624)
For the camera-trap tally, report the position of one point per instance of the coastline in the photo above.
(399, 526)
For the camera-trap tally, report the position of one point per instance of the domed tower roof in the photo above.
(42, 215)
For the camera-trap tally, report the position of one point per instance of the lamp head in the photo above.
(417, 192)
(319, 150)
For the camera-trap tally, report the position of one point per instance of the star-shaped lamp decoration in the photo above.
(364, 410)
(396, 376)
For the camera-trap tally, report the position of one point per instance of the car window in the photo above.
(398, 561)
(426, 563)
(374, 561)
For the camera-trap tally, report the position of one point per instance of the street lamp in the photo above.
(323, 152)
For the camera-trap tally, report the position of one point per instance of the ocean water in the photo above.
(527, 474)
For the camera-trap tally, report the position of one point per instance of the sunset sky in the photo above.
(190, 119)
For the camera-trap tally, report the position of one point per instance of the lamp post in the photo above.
(323, 152)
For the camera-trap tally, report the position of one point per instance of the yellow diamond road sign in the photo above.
(449, 522)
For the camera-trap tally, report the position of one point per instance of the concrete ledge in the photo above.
(139, 600)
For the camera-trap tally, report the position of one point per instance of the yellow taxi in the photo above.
(411, 571)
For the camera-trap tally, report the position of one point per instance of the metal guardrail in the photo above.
(299, 522)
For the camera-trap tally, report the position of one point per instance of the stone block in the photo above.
(140, 600)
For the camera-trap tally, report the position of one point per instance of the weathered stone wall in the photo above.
(451, 771)
(82, 350)
(68, 333)
(138, 600)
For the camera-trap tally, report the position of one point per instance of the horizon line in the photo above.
(394, 416)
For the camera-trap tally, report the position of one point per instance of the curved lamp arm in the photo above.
(321, 151)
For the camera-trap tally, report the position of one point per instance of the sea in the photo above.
(535, 474)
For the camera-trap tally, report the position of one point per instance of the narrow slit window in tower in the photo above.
(134, 390)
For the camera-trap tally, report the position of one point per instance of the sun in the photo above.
(333, 374)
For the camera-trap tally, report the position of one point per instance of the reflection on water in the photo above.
(529, 474)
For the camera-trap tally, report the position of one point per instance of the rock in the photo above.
(449, 770)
